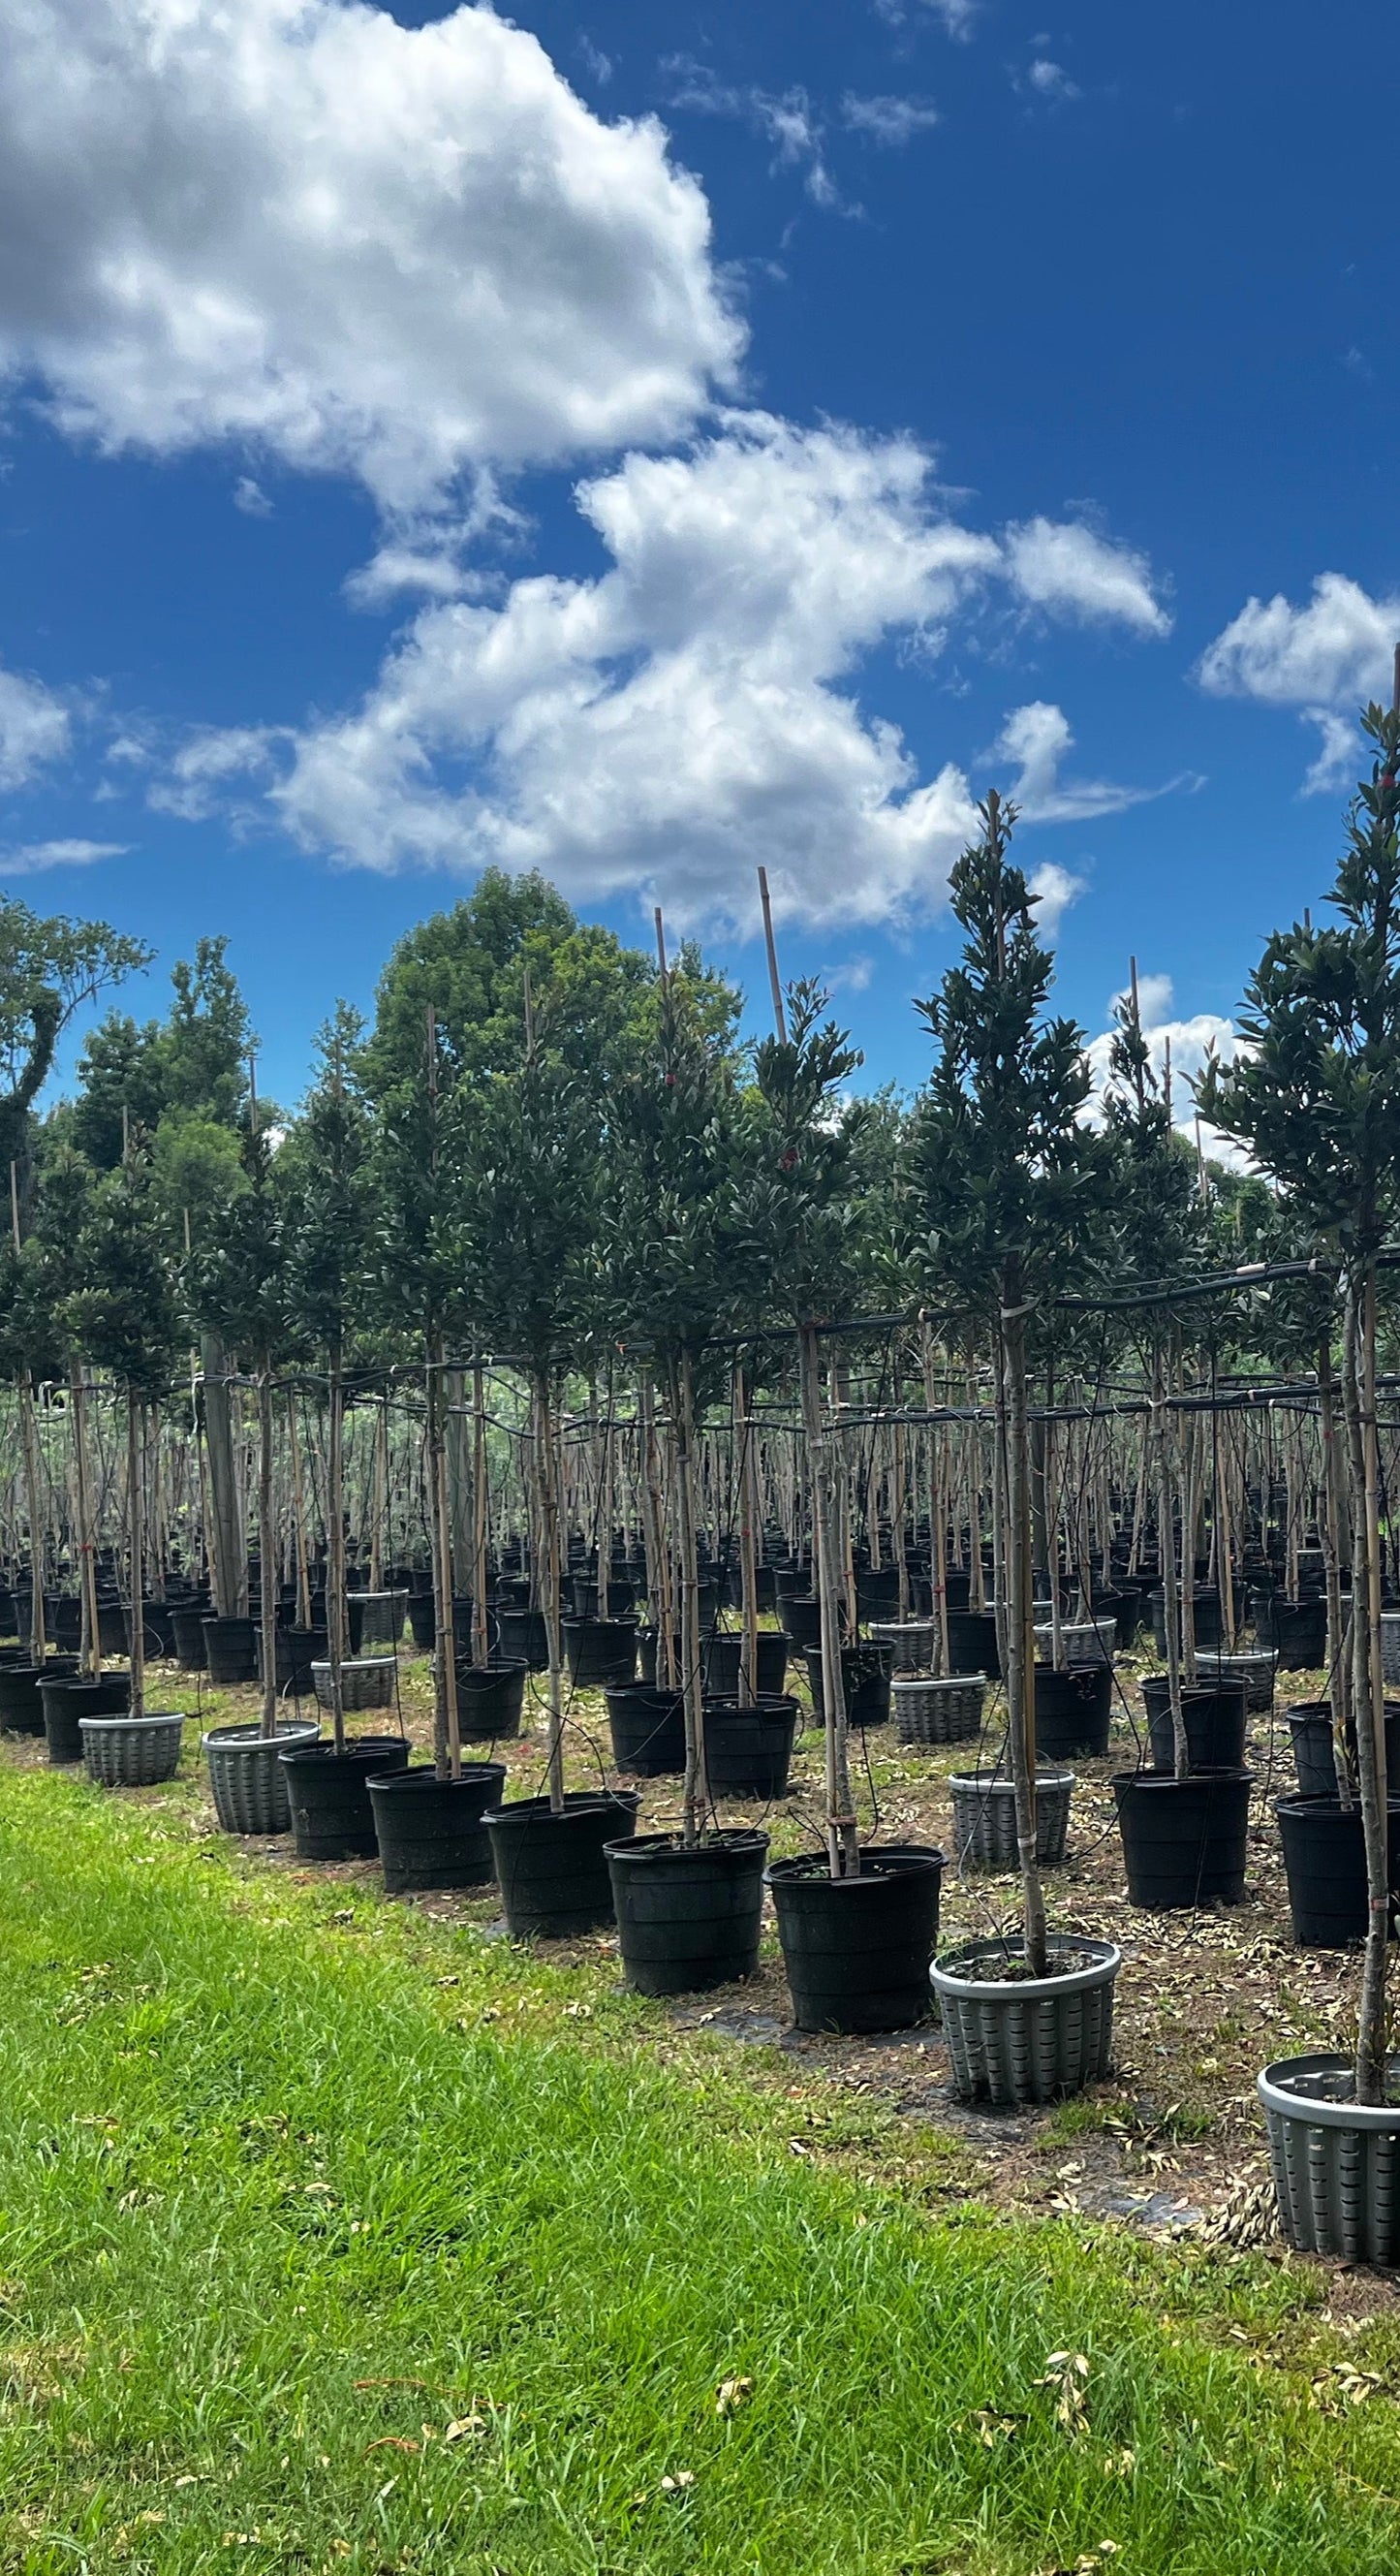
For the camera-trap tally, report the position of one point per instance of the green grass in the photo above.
(281, 2205)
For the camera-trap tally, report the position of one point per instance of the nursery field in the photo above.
(340, 2233)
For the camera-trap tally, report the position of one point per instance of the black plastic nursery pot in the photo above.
(1183, 1840)
(722, 1658)
(523, 1636)
(748, 1751)
(1324, 1859)
(866, 1674)
(647, 1728)
(491, 1700)
(187, 1627)
(1214, 1718)
(66, 1703)
(1072, 1710)
(1314, 1753)
(228, 1650)
(972, 1643)
(429, 1831)
(687, 1920)
(328, 1794)
(857, 1950)
(422, 1621)
(1295, 1632)
(600, 1652)
(802, 1618)
(552, 1869)
(21, 1708)
(877, 1592)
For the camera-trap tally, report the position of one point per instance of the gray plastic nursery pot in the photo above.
(1027, 2039)
(246, 1778)
(984, 1818)
(1336, 2163)
(132, 1752)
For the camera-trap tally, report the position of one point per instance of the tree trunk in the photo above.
(136, 1541)
(38, 1642)
(843, 1846)
(547, 1485)
(696, 1795)
(447, 1734)
(267, 1547)
(91, 1659)
(230, 1556)
(1338, 1664)
(1166, 1561)
(335, 1548)
(748, 1537)
(1359, 1402)
(1020, 1676)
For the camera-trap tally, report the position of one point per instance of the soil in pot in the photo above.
(1072, 1710)
(647, 1728)
(748, 1751)
(688, 1920)
(1183, 1840)
(1214, 1719)
(328, 1793)
(1324, 1859)
(601, 1653)
(552, 1869)
(429, 1831)
(1015, 2038)
(1336, 2162)
(246, 1778)
(491, 1701)
(857, 1950)
(67, 1703)
(866, 1673)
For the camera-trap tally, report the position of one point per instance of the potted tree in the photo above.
(529, 1189)
(1315, 1096)
(125, 1318)
(235, 1287)
(1009, 1175)
(688, 1906)
(858, 1924)
(326, 1180)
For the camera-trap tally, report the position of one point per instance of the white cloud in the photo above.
(1065, 566)
(205, 768)
(250, 498)
(786, 118)
(958, 17)
(890, 122)
(1054, 889)
(34, 728)
(1188, 1044)
(1335, 652)
(397, 252)
(594, 61)
(691, 710)
(33, 857)
(1051, 80)
(1036, 738)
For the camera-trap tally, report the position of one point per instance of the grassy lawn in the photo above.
(334, 2239)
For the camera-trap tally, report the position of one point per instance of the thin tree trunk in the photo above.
(748, 1537)
(549, 1532)
(481, 1526)
(843, 1845)
(267, 1547)
(299, 1518)
(1358, 1402)
(1338, 1666)
(91, 1658)
(447, 1733)
(335, 1548)
(136, 1541)
(696, 1794)
(230, 1557)
(1166, 1559)
(38, 1642)
(1020, 1678)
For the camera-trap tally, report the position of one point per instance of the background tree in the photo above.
(49, 969)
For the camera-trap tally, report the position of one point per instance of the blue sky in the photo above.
(641, 443)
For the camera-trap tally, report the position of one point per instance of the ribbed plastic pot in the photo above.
(132, 1752)
(1013, 2040)
(366, 1681)
(865, 1677)
(912, 1643)
(491, 1701)
(1183, 1840)
(429, 1831)
(552, 1870)
(1072, 1710)
(1324, 1860)
(328, 1794)
(722, 1656)
(1390, 1645)
(857, 1950)
(972, 1643)
(246, 1778)
(188, 1629)
(1256, 1669)
(1214, 1720)
(938, 1711)
(647, 1728)
(600, 1652)
(381, 1619)
(1295, 1632)
(1314, 1753)
(1336, 2163)
(67, 1703)
(228, 1650)
(688, 1920)
(984, 1819)
(1083, 1641)
(523, 1638)
(748, 1751)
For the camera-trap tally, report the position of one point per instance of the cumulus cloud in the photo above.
(34, 728)
(890, 122)
(397, 252)
(33, 857)
(198, 779)
(1186, 1044)
(691, 710)
(1066, 567)
(1055, 889)
(1328, 657)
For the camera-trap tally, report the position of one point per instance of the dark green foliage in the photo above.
(48, 970)
(530, 1188)
(804, 1212)
(679, 1268)
(234, 1281)
(123, 1315)
(326, 1186)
